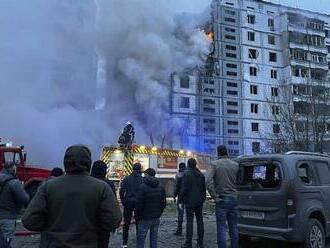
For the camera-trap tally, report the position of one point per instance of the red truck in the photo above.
(31, 176)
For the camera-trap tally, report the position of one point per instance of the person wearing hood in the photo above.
(180, 210)
(70, 210)
(99, 171)
(192, 196)
(150, 204)
(128, 191)
(12, 198)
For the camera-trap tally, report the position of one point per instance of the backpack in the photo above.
(3, 184)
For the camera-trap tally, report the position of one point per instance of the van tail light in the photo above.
(290, 202)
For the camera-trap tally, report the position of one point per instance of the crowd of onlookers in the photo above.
(79, 208)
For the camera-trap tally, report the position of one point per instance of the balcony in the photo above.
(309, 81)
(296, 45)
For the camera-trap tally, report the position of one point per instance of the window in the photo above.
(252, 53)
(259, 176)
(13, 157)
(232, 92)
(271, 39)
(231, 55)
(208, 101)
(233, 142)
(274, 91)
(209, 129)
(230, 12)
(209, 110)
(184, 82)
(231, 73)
(255, 127)
(255, 147)
(227, 19)
(231, 103)
(232, 111)
(272, 57)
(231, 84)
(233, 131)
(305, 173)
(231, 30)
(253, 89)
(273, 74)
(184, 102)
(276, 128)
(275, 110)
(270, 22)
(231, 65)
(229, 47)
(323, 172)
(232, 123)
(251, 19)
(251, 36)
(254, 108)
(253, 71)
(209, 121)
(230, 37)
(208, 90)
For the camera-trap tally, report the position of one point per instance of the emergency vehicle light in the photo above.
(154, 148)
(142, 147)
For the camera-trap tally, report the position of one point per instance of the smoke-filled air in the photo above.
(76, 71)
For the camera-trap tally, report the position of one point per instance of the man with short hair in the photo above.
(129, 188)
(193, 195)
(222, 185)
(70, 210)
(150, 204)
(12, 198)
(56, 172)
(180, 210)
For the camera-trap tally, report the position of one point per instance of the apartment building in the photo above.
(260, 49)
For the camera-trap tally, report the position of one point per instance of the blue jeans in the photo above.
(180, 216)
(226, 209)
(144, 226)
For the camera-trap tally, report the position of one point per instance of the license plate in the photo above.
(253, 215)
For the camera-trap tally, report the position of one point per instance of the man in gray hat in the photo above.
(70, 210)
(12, 198)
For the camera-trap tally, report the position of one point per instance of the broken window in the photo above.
(271, 22)
(275, 110)
(274, 91)
(272, 57)
(255, 147)
(273, 74)
(253, 89)
(255, 127)
(184, 102)
(253, 53)
(259, 176)
(276, 128)
(251, 36)
(253, 71)
(271, 39)
(184, 82)
(251, 19)
(254, 108)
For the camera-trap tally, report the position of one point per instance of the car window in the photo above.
(323, 171)
(261, 176)
(305, 173)
(12, 157)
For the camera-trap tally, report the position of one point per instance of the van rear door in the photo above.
(262, 195)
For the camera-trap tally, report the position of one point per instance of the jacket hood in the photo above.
(151, 181)
(77, 159)
(4, 175)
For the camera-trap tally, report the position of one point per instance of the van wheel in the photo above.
(244, 241)
(315, 237)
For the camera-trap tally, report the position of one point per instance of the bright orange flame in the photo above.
(210, 36)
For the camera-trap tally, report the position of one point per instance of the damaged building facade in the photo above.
(260, 49)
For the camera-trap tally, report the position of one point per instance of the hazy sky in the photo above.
(314, 5)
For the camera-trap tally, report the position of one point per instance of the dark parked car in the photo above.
(285, 197)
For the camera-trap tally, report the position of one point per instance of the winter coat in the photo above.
(13, 196)
(178, 182)
(70, 210)
(151, 199)
(193, 188)
(129, 187)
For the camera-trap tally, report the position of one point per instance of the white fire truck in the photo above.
(164, 161)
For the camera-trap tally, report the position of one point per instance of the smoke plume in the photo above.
(58, 57)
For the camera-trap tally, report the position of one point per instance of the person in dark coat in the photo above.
(180, 210)
(193, 195)
(99, 171)
(150, 204)
(70, 210)
(56, 172)
(12, 198)
(128, 192)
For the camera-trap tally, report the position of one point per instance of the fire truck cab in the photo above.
(31, 176)
(164, 161)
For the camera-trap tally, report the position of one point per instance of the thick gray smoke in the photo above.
(50, 53)
(142, 42)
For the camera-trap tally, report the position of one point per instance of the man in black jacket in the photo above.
(150, 204)
(128, 191)
(180, 210)
(99, 171)
(193, 195)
